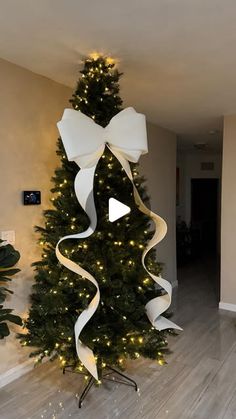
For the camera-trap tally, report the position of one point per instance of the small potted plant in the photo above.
(8, 258)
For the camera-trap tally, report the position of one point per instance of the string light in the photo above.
(146, 281)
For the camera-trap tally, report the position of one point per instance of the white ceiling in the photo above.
(178, 56)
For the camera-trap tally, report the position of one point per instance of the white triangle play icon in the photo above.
(116, 209)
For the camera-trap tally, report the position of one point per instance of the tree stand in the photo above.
(106, 375)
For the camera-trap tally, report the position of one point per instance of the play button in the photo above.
(116, 209)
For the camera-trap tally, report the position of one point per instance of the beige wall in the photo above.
(228, 221)
(159, 168)
(30, 106)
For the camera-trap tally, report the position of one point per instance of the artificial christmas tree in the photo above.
(119, 328)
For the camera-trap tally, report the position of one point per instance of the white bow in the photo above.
(84, 142)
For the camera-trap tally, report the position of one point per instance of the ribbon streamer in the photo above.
(84, 142)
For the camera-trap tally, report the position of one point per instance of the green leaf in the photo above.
(4, 279)
(8, 256)
(5, 310)
(11, 318)
(9, 272)
(4, 330)
(2, 298)
(4, 289)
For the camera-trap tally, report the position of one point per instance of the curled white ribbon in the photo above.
(84, 142)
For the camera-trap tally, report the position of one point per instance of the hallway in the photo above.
(199, 381)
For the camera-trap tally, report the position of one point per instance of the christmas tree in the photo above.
(120, 328)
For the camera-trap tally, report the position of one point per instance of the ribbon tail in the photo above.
(84, 194)
(158, 305)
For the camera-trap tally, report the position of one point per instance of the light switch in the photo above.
(8, 236)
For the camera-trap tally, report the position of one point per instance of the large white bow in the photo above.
(84, 142)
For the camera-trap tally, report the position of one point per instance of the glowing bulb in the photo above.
(131, 243)
(110, 61)
(146, 281)
(94, 56)
(140, 339)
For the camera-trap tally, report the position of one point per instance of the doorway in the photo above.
(205, 228)
(204, 216)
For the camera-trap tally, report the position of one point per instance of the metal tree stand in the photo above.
(106, 375)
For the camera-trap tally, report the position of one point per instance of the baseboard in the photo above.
(227, 306)
(16, 372)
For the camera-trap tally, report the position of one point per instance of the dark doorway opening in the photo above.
(204, 216)
(198, 244)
